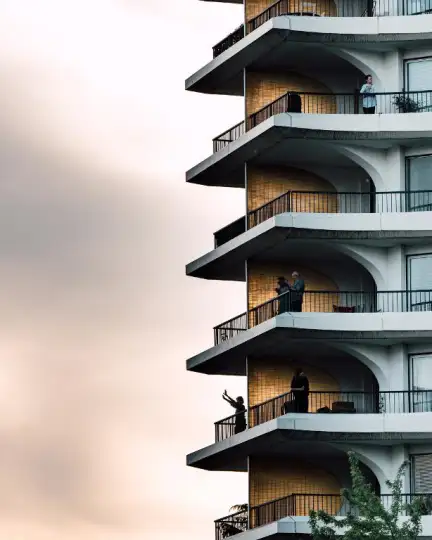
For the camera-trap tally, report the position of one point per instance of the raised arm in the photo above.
(228, 399)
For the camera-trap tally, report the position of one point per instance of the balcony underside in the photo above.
(292, 333)
(302, 140)
(299, 39)
(313, 437)
(310, 235)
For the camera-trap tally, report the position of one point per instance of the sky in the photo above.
(97, 411)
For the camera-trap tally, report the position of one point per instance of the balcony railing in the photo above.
(325, 8)
(327, 302)
(229, 41)
(387, 402)
(228, 136)
(315, 103)
(296, 505)
(328, 202)
(231, 525)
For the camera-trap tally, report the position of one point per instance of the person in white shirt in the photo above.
(369, 98)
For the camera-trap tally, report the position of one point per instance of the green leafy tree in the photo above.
(367, 517)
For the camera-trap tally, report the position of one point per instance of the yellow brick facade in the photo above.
(266, 183)
(263, 88)
(262, 281)
(324, 8)
(271, 377)
(273, 478)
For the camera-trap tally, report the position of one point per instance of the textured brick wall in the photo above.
(262, 283)
(263, 88)
(320, 7)
(268, 378)
(255, 7)
(267, 183)
(273, 478)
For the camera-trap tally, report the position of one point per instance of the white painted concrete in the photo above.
(388, 34)
(365, 139)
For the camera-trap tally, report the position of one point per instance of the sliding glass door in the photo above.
(419, 183)
(420, 376)
(419, 282)
(418, 77)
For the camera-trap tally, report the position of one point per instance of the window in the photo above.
(418, 77)
(421, 473)
(419, 179)
(419, 282)
(420, 378)
(416, 7)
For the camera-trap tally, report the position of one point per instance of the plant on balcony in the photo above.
(367, 515)
(238, 523)
(405, 104)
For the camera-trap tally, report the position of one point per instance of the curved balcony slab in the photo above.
(379, 230)
(290, 331)
(291, 137)
(224, 74)
(296, 527)
(292, 434)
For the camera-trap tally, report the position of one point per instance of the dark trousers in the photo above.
(296, 306)
(240, 426)
(368, 110)
(301, 403)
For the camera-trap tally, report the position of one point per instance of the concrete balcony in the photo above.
(314, 103)
(296, 506)
(348, 402)
(312, 140)
(314, 438)
(323, 8)
(317, 202)
(310, 40)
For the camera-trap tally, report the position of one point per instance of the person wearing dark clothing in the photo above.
(240, 418)
(297, 292)
(300, 391)
(283, 290)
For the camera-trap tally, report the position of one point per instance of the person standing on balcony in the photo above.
(369, 97)
(300, 391)
(283, 289)
(240, 418)
(297, 292)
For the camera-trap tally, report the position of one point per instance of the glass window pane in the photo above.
(422, 474)
(419, 74)
(421, 383)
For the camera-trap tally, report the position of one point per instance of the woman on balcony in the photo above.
(369, 97)
(240, 418)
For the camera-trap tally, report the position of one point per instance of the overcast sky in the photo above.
(97, 410)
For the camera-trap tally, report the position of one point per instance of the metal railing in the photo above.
(226, 428)
(351, 402)
(320, 103)
(326, 302)
(231, 525)
(227, 233)
(228, 136)
(328, 202)
(324, 8)
(296, 505)
(229, 41)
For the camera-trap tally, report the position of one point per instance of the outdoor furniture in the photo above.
(343, 407)
(343, 309)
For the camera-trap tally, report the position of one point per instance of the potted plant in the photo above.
(239, 521)
(405, 104)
